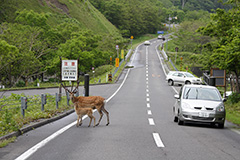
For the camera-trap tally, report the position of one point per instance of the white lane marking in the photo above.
(147, 86)
(146, 79)
(33, 149)
(148, 99)
(147, 90)
(158, 140)
(149, 112)
(148, 105)
(147, 95)
(151, 121)
(146, 75)
(164, 68)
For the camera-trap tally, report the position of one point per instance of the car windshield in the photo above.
(189, 74)
(201, 94)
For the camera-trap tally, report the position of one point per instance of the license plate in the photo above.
(203, 114)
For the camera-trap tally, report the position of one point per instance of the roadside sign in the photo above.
(117, 62)
(160, 32)
(69, 70)
(122, 54)
(117, 47)
(110, 77)
(131, 37)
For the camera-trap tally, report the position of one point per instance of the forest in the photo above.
(37, 33)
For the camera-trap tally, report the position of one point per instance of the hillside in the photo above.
(81, 10)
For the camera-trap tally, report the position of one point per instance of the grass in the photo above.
(5, 142)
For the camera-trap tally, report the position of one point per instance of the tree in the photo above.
(224, 26)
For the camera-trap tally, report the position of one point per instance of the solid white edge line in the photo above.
(33, 149)
(163, 67)
(158, 140)
(30, 151)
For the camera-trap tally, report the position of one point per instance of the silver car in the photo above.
(179, 77)
(199, 103)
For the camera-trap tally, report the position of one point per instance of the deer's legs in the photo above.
(101, 114)
(106, 112)
(78, 121)
(91, 117)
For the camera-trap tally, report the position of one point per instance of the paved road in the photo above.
(141, 125)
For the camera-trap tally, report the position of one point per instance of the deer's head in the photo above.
(72, 92)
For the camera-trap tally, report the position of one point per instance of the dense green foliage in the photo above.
(31, 42)
(134, 17)
(224, 50)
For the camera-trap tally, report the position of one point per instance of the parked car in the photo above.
(147, 43)
(178, 77)
(160, 37)
(199, 103)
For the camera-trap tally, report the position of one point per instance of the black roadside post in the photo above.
(86, 85)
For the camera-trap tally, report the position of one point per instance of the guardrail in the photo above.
(25, 102)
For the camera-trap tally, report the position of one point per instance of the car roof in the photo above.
(199, 86)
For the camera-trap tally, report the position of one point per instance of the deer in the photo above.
(93, 102)
(84, 111)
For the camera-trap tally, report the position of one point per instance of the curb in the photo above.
(34, 126)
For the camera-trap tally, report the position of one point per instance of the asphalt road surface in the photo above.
(141, 124)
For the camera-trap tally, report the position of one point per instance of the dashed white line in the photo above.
(148, 105)
(147, 95)
(151, 121)
(158, 140)
(148, 99)
(149, 112)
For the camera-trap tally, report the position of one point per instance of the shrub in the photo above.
(234, 98)
(20, 83)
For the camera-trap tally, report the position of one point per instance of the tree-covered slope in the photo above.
(60, 10)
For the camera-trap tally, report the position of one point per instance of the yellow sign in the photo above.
(117, 62)
(122, 54)
(110, 77)
(131, 37)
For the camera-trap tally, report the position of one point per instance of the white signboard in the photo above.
(69, 70)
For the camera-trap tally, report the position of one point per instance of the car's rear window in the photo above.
(201, 94)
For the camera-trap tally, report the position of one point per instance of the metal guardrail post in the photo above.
(57, 100)
(43, 101)
(68, 98)
(23, 105)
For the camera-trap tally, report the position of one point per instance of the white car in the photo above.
(147, 43)
(199, 103)
(178, 77)
(160, 37)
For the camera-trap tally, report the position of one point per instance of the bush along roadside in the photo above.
(12, 119)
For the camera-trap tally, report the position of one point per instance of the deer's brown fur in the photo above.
(84, 111)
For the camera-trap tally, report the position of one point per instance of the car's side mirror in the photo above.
(176, 96)
(224, 99)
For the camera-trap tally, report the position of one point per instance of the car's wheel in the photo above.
(187, 82)
(180, 122)
(175, 119)
(220, 125)
(170, 82)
